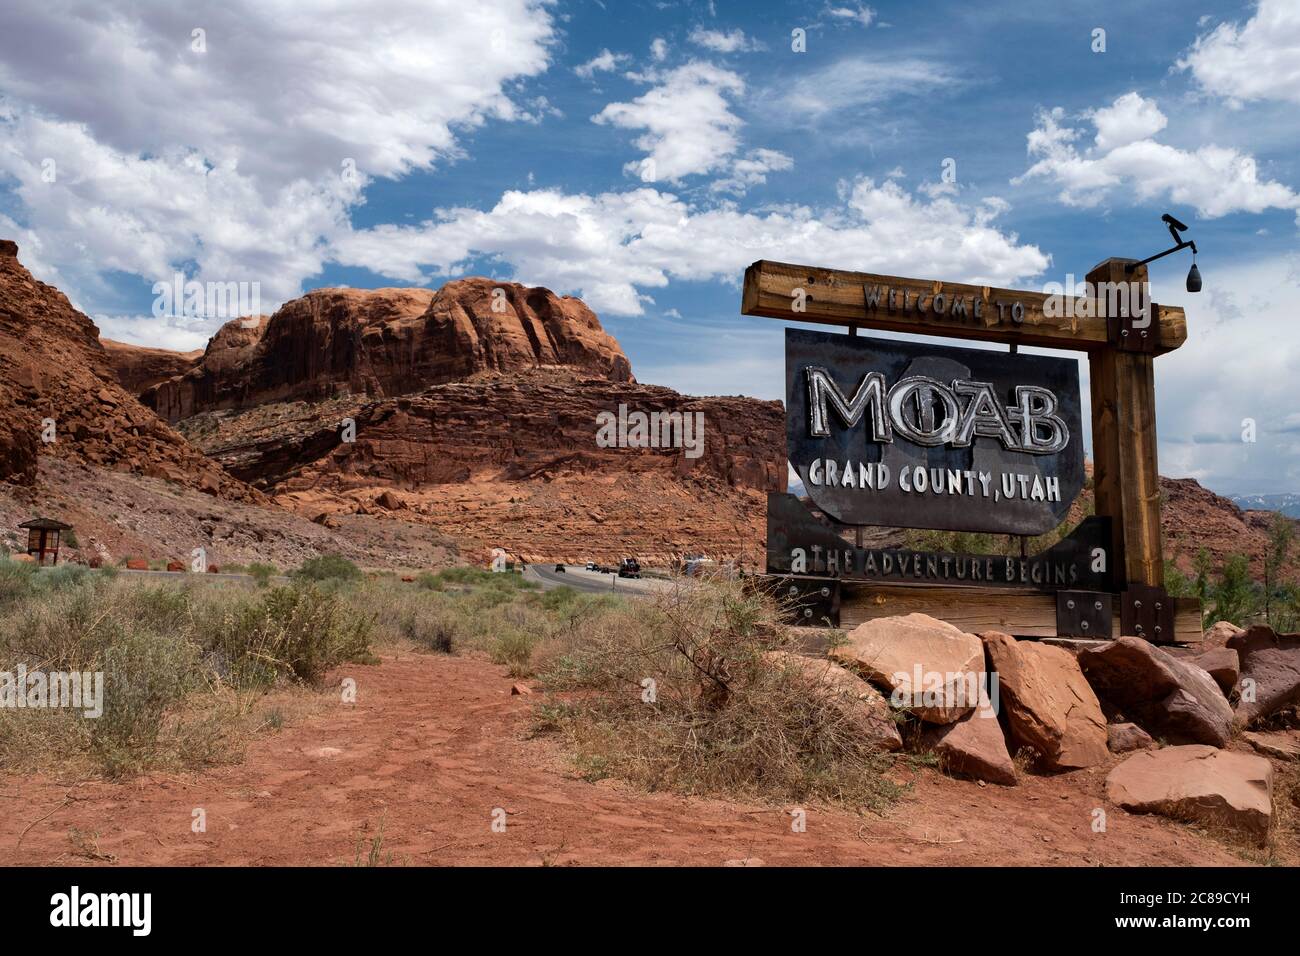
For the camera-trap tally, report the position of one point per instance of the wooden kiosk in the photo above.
(43, 538)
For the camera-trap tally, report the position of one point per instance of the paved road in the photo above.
(590, 582)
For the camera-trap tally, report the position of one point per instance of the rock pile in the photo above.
(1180, 727)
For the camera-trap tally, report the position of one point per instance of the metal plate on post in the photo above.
(812, 602)
(1147, 612)
(1132, 327)
(1084, 614)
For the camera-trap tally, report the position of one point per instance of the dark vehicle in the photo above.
(561, 568)
(629, 568)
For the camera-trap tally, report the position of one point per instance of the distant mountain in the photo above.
(1288, 505)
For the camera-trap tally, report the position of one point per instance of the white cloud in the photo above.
(231, 162)
(690, 128)
(751, 170)
(1222, 376)
(1215, 180)
(733, 41)
(610, 247)
(859, 13)
(112, 211)
(602, 62)
(1127, 120)
(286, 90)
(178, 334)
(1258, 61)
(659, 49)
(858, 81)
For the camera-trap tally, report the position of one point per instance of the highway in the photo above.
(589, 582)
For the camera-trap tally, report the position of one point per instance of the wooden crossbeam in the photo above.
(838, 297)
(975, 610)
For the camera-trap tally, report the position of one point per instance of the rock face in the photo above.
(1280, 745)
(1197, 782)
(1048, 704)
(1192, 518)
(139, 368)
(18, 440)
(1270, 662)
(1168, 697)
(1222, 664)
(53, 367)
(850, 695)
(387, 342)
(1121, 738)
(928, 663)
(512, 461)
(973, 747)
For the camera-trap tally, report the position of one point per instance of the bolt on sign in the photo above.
(897, 433)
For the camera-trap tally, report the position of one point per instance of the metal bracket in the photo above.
(1147, 612)
(1084, 614)
(813, 602)
(1130, 332)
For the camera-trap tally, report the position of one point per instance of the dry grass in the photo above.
(186, 667)
(674, 694)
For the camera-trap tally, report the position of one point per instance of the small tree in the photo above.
(1202, 565)
(1234, 595)
(1280, 534)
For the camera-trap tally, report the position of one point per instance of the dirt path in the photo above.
(435, 743)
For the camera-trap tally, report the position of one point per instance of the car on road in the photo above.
(591, 565)
(629, 568)
(562, 569)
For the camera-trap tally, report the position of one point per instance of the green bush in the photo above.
(328, 567)
(296, 632)
(262, 573)
(17, 581)
(171, 655)
(145, 676)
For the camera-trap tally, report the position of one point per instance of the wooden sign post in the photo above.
(1122, 332)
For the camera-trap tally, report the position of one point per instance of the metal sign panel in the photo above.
(926, 436)
(799, 544)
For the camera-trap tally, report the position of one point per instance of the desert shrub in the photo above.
(17, 581)
(145, 676)
(1235, 596)
(262, 573)
(328, 567)
(675, 693)
(478, 578)
(64, 576)
(181, 663)
(295, 632)
(431, 627)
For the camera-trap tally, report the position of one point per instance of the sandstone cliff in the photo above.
(138, 367)
(62, 397)
(513, 461)
(387, 342)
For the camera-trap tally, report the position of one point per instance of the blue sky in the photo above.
(641, 154)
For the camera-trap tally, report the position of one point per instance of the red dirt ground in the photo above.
(435, 743)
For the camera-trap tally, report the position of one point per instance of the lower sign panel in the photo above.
(797, 543)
